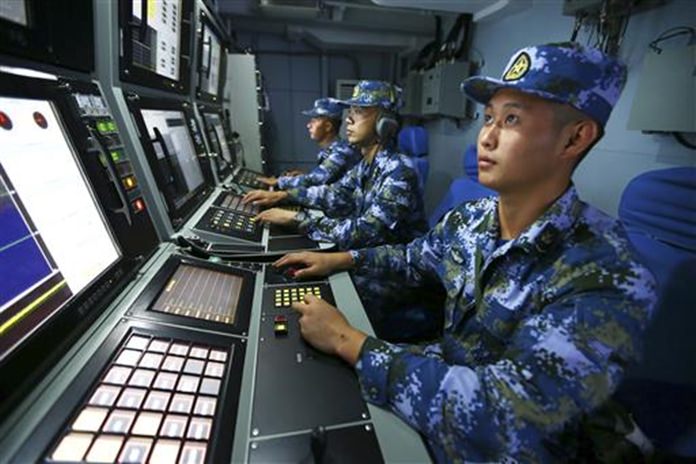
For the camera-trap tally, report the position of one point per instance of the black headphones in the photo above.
(386, 125)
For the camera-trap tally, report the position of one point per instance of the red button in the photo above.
(40, 120)
(5, 121)
(138, 205)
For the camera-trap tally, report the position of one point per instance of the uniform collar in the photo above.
(543, 233)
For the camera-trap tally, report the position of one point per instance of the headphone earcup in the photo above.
(387, 126)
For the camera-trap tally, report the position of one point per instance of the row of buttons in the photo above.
(228, 220)
(286, 296)
(234, 202)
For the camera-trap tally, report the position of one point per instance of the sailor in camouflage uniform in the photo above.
(336, 156)
(378, 201)
(546, 302)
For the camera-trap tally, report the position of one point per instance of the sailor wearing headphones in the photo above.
(378, 201)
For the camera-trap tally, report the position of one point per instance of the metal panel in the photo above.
(666, 96)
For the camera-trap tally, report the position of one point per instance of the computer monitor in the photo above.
(15, 11)
(40, 32)
(211, 61)
(199, 293)
(176, 154)
(219, 142)
(54, 239)
(156, 43)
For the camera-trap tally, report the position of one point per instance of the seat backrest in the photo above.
(460, 190)
(470, 162)
(658, 209)
(413, 140)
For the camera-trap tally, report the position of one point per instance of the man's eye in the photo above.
(487, 118)
(511, 119)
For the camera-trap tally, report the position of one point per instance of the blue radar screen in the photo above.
(29, 278)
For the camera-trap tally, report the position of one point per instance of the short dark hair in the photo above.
(565, 114)
(335, 124)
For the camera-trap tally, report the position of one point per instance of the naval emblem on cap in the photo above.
(518, 68)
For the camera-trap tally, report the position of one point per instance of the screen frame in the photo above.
(50, 34)
(177, 215)
(73, 396)
(141, 307)
(129, 72)
(204, 109)
(206, 21)
(25, 364)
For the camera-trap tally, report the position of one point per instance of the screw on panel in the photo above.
(368, 428)
(254, 445)
(364, 415)
(255, 432)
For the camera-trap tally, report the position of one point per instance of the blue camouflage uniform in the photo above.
(334, 160)
(373, 203)
(539, 329)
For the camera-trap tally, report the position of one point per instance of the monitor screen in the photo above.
(176, 154)
(54, 240)
(201, 293)
(156, 40)
(217, 136)
(15, 11)
(210, 62)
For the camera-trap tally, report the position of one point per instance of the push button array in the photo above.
(284, 297)
(225, 221)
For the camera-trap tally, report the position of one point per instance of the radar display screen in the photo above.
(54, 240)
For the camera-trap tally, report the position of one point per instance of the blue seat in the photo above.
(413, 141)
(658, 209)
(462, 189)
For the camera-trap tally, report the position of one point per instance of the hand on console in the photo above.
(271, 181)
(277, 216)
(327, 329)
(313, 264)
(263, 197)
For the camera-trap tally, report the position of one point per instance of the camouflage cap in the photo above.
(376, 93)
(584, 78)
(326, 107)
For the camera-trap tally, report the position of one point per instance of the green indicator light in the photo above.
(116, 156)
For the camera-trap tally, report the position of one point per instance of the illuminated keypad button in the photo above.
(280, 326)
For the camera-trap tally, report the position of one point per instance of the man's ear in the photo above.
(579, 137)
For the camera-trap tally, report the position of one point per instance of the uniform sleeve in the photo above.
(338, 161)
(388, 209)
(408, 263)
(558, 364)
(333, 199)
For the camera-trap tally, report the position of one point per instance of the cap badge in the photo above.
(518, 68)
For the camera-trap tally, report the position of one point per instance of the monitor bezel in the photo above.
(26, 364)
(50, 35)
(129, 72)
(204, 109)
(141, 306)
(206, 21)
(177, 215)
